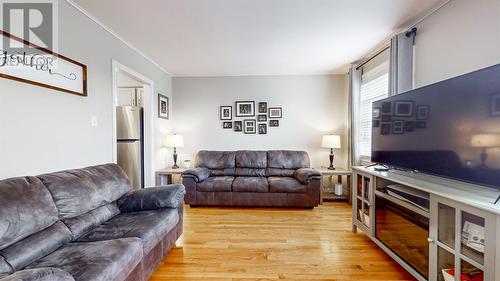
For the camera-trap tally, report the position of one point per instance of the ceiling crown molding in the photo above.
(103, 26)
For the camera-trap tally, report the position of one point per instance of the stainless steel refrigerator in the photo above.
(130, 143)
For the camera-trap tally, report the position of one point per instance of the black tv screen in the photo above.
(450, 128)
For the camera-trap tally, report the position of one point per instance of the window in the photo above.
(374, 86)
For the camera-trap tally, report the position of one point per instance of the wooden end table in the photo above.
(339, 173)
(165, 176)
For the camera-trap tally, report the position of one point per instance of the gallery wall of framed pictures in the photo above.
(252, 117)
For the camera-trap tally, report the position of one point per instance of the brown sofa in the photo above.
(277, 178)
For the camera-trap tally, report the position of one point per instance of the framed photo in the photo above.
(226, 113)
(238, 126)
(495, 105)
(403, 108)
(262, 117)
(376, 112)
(398, 127)
(262, 107)
(163, 107)
(386, 118)
(387, 107)
(262, 129)
(421, 124)
(423, 112)
(385, 129)
(245, 108)
(275, 112)
(227, 125)
(376, 123)
(409, 126)
(274, 123)
(250, 126)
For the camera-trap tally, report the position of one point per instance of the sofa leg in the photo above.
(193, 206)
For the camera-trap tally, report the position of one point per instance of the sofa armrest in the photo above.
(198, 174)
(39, 274)
(305, 175)
(170, 196)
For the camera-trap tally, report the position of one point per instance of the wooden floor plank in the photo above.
(243, 244)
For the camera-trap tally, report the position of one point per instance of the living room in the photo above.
(250, 140)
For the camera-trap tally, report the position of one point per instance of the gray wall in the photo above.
(43, 130)
(312, 106)
(461, 37)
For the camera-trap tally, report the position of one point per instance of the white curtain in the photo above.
(401, 63)
(354, 94)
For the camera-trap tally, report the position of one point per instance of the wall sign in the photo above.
(42, 67)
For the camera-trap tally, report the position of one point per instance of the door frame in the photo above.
(149, 118)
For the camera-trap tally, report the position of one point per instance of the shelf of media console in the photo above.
(473, 195)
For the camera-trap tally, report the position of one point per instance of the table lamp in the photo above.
(485, 141)
(331, 142)
(175, 141)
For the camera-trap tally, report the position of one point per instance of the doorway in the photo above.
(132, 89)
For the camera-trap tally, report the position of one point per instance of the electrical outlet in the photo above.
(94, 122)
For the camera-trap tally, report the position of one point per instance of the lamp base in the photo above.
(331, 160)
(331, 168)
(175, 166)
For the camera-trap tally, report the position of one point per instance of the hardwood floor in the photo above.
(275, 244)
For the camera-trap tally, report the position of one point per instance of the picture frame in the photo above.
(386, 118)
(67, 75)
(495, 105)
(387, 107)
(262, 118)
(262, 107)
(238, 126)
(375, 123)
(409, 126)
(423, 112)
(227, 125)
(376, 112)
(385, 129)
(421, 125)
(275, 112)
(249, 126)
(262, 129)
(403, 109)
(398, 127)
(163, 107)
(245, 108)
(274, 123)
(226, 112)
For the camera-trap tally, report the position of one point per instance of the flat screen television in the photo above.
(450, 128)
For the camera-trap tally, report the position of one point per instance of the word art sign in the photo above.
(41, 67)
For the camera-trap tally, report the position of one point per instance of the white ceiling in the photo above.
(255, 37)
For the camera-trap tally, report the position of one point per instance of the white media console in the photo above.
(457, 233)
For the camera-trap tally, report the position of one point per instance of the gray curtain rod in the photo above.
(372, 57)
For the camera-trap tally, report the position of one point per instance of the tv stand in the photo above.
(455, 209)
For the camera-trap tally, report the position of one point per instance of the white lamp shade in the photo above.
(174, 141)
(331, 141)
(485, 140)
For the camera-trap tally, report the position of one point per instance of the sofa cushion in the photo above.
(250, 184)
(275, 172)
(26, 207)
(286, 185)
(251, 159)
(86, 222)
(215, 184)
(77, 192)
(149, 226)
(250, 172)
(110, 260)
(36, 246)
(286, 159)
(40, 274)
(5, 268)
(215, 160)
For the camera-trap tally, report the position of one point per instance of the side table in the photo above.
(330, 196)
(165, 176)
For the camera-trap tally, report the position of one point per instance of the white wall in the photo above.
(312, 106)
(43, 130)
(461, 37)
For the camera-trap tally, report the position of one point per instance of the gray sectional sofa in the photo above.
(277, 178)
(85, 225)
